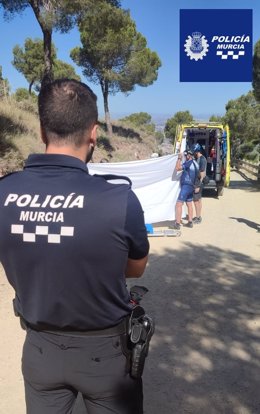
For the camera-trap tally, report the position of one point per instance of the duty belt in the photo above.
(118, 329)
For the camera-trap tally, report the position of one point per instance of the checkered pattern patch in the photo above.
(42, 231)
(230, 53)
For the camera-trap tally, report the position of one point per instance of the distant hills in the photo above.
(160, 119)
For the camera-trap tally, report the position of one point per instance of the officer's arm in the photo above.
(136, 268)
(203, 169)
(136, 235)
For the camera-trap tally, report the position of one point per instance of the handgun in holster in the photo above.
(140, 331)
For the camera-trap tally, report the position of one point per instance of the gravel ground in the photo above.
(204, 295)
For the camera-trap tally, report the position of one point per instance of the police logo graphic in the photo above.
(196, 46)
(216, 45)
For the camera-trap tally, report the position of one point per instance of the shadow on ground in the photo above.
(204, 357)
(246, 183)
(249, 223)
(122, 131)
(8, 128)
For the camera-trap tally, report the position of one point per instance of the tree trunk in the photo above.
(107, 114)
(47, 35)
(30, 86)
(48, 76)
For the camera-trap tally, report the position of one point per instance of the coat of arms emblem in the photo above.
(196, 46)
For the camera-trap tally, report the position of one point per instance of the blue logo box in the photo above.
(216, 45)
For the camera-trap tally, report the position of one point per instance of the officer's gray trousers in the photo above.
(57, 367)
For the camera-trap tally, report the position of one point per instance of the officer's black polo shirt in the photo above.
(65, 237)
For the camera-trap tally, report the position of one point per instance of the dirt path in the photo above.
(204, 295)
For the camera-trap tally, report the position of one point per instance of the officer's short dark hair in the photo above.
(67, 109)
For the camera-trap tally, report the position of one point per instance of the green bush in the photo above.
(25, 100)
(21, 94)
(244, 149)
(254, 154)
(137, 119)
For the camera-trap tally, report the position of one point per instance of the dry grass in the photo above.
(127, 144)
(20, 136)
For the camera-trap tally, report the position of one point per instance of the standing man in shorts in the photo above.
(188, 178)
(202, 163)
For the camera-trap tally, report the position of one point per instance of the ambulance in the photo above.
(214, 140)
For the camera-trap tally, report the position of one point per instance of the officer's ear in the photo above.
(93, 135)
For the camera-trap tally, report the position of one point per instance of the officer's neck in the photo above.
(80, 152)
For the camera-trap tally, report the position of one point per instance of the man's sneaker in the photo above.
(197, 220)
(175, 226)
(189, 224)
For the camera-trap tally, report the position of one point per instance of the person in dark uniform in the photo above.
(68, 242)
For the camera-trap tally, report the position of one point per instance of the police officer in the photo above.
(68, 240)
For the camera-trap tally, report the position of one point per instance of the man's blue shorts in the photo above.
(186, 193)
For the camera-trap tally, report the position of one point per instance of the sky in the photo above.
(158, 21)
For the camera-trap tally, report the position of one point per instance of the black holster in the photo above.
(140, 331)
